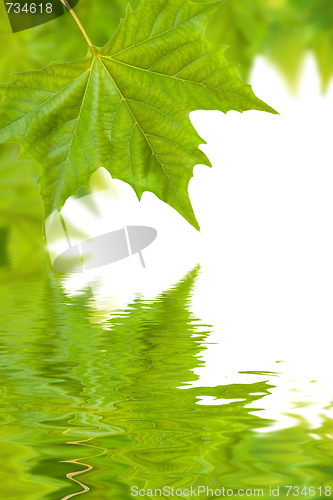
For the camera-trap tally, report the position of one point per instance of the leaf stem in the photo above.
(66, 4)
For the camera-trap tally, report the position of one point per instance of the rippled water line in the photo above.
(71, 475)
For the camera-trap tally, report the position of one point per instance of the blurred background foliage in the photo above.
(21, 211)
(281, 30)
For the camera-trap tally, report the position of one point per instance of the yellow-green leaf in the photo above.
(126, 106)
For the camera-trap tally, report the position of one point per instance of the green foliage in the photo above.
(243, 25)
(57, 40)
(126, 106)
(281, 30)
(320, 13)
(21, 211)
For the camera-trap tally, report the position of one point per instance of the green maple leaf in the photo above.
(126, 106)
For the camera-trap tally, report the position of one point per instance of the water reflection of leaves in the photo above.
(127, 388)
(120, 386)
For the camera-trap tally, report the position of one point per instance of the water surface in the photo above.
(95, 406)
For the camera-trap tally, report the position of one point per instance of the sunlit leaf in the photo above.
(126, 106)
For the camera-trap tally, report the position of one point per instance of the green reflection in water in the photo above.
(121, 390)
